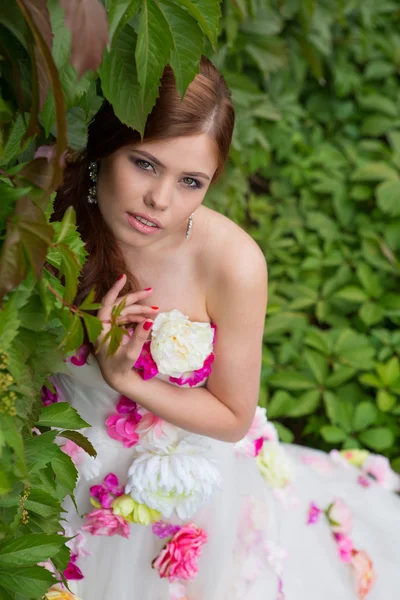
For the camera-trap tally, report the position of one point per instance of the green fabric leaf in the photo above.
(62, 415)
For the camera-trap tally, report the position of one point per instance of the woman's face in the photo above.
(147, 191)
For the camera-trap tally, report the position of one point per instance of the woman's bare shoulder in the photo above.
(229, 250)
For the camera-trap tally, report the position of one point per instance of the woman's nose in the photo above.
(159, 195)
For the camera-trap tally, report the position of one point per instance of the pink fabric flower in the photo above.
(313, 514)
(345, 547)
(80, 357)
(364, 573)
(73, 572)
(259, 432)
(103, 522)
(145, 363)
(122, 425)
(195, 377)
(339, 517)
(106, 492)
(378, 467)
(178, 559)
(48, 397)
(163, 530)
(364, 481)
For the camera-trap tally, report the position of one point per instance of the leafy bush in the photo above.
(315, 179)
(51, 83)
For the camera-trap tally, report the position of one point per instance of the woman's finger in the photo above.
(133, 347)
(134, 297)
(136, 309)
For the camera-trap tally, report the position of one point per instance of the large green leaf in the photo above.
(378, 438)
(31, 582)
(120, 82)
(388, 196)
(365, 415)
(207, 13)
(29, 549)
(62, 415)
(188, 44)
(119, 12)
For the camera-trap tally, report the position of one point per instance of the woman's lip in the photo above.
(148, 218)
(141, 227)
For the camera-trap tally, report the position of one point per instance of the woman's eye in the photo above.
(143, 164)
(190, 182)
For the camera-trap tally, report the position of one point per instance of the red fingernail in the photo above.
(147, 289)
(120, 277)
(148, 325)
(155, 307)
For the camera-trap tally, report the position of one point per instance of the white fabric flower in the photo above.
(275, 465)
(178, 345)
(181, 480)
(260, 429)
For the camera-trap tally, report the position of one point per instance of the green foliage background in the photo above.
(314, 177)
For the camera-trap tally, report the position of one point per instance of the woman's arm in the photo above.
(225, 409)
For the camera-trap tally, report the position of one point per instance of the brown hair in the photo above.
(206, 108)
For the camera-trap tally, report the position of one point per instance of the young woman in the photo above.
(191, 496)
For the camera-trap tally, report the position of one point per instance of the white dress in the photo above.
(241, 521)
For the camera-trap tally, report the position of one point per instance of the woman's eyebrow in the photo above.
(160, 164)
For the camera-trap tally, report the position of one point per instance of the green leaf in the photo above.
(29, 549)
(378, 438)
(40, 450)
(318, 365)
(80, 440)
(305, 404)
(93, 326)
(280, 404)
(351, 293)
(153, 48)
(332, 434)
(119, 12)
(188, 44)
(371, 379)
(206, 13)
(290, 380)
(389, 372)
(75, 335)
(370, 280)
(285, 435)
(66, 474)
(120, 82)
(62, 415)
(388, 197)
(385, 401)
(365, 415)
(32, 582)
(371, 313)
(379, 103)
(376, 125)
(69, 267)
(340, 375)
(375, 171)
(42, 503)
(13, 146)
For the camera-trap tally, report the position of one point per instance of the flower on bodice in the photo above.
(180, 478)
(178, 345)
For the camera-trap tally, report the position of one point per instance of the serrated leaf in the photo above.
(70, 268)
(29, 549)
(206, 13)
(40, 449)
(32, 582)
(74, 336)
(378, 438)
(93, 326)
(188, 44)
(365, 415)
(66, 473)
(153, 48)
(120, 83)
(61, 415)
(119, 12)
(80, 440)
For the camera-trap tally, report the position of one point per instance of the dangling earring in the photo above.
(190, 225)
(93, 177)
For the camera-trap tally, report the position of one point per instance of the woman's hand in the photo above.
(115, 367)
